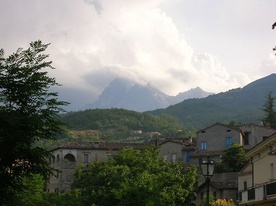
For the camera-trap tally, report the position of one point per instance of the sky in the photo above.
(173, 45)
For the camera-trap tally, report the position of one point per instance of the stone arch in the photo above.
(70, 158)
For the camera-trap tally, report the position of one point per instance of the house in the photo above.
(222, 186)
(67, 158)
(177, 150)
(253, 134)
(214, 140)
(257, 180)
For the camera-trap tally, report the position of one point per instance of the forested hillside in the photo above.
(121, 120)
(119, 125)
(241, 105)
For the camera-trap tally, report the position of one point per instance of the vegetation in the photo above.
(118, 124)
(136, 177)
(224, 202)
(233, 159)
(33, 193)
(238, 105)
(269, 111)
(28, 112)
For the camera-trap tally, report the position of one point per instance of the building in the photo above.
(214, 140)
(222, 186)
(67, 158)
(257, 181)
(177, 150)
(253, 134)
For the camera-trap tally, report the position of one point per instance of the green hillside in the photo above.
(241, 105)
(119, 124)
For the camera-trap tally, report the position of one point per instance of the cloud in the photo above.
(173, 45)
(97, 4)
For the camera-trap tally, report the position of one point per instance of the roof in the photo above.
(100, 145)
(182, 141)
(219, 185)
(257, 125)
(207, 153)
(220, 124)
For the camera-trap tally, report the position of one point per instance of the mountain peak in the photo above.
(139, 96)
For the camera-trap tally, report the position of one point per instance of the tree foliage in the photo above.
(224, 202)
(136, 177)
(233, 159)
(28, 112)
(269, 111)
(116, 124)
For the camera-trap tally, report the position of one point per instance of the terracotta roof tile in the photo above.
(100, 145)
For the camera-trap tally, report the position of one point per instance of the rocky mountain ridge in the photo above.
(127, 94)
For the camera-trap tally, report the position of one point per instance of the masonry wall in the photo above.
(215, 138)
(256, 134)
(68, 160)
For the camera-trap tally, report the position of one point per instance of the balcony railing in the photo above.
(258, 193)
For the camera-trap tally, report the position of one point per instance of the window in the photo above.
(201, 195)
(165, 157)
(188, 154)
(215, 195)
(203, 145)
(174, 157)
(245, 185)
(271, 171)
(109, 156)
(85, 157)
(228, 142)
(246, 138)
(58, 158)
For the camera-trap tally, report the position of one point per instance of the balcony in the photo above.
(261, 193)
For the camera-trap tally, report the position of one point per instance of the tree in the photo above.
(136, 177)
(270, 114)
(233, 159)
(29, 112)
(224, 202)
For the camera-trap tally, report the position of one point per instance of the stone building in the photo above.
(177, 150)
(67, 158)
(212, 141)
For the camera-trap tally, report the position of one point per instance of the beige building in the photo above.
(257, 181)
(67, 158)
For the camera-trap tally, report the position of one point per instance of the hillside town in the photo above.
(137, 103)
(250, 186)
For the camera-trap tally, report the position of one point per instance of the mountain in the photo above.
(242, 105)
(127, 94)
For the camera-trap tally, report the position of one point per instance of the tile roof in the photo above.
(100, 145)
(207, 153)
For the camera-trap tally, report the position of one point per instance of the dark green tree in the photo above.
(28, 112)
(269, 111)
(233, 159)
(136, 177)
